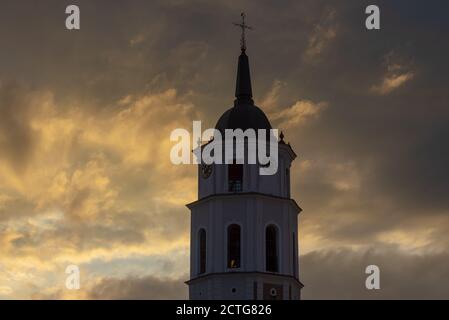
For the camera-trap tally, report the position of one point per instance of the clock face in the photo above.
(206, 170)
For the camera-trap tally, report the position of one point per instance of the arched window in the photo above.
(271, 247)
(202, 250)
(234, 246)
(235, 177)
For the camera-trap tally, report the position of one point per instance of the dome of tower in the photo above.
(244, 115)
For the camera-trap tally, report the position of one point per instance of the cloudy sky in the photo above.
(86, 116)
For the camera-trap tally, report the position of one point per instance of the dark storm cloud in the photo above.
(16, 135)
(394, 141)
(120, 49)
(420, 175)
(341, 275)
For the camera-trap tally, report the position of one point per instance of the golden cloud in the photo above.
(98, 184)
(392, 82)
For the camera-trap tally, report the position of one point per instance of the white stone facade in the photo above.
(262, 201)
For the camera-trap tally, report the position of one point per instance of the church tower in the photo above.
(244, 239)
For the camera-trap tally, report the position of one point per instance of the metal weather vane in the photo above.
(244, 27)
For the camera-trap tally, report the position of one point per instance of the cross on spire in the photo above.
(244, 27)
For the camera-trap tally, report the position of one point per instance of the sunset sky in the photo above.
(86, 116)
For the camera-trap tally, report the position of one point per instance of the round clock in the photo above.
(206, 170)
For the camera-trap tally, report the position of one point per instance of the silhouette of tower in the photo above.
(244, 240)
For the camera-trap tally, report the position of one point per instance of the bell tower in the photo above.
(244, 226)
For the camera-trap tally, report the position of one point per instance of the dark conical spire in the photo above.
(243, 90)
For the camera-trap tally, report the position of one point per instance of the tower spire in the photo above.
(243, 90)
